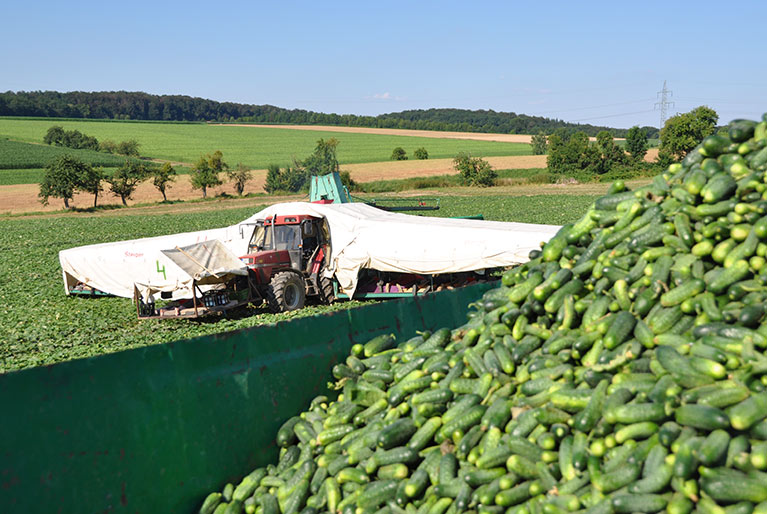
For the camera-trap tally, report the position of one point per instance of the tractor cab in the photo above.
(288, 252)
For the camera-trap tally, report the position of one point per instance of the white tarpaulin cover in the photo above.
(207, 262)
(361, 237)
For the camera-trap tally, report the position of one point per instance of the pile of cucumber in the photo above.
(622, 369)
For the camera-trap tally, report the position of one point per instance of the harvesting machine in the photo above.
(322, 250)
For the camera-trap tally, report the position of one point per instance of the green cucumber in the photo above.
(702, 417)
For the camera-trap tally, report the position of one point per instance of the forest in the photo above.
(124, 105)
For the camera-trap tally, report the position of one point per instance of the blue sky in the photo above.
(590, 62)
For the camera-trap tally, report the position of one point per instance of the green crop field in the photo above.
(23, 176)
(16, 155)
(253, 146)
(40, 325)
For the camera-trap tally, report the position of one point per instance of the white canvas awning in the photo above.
(361, 237)
(366, 237)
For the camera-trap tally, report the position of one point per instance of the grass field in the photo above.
(256, 147)
(40, 325)
(15, 155)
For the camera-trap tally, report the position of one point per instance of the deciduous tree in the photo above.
(162, 177)
(204, 176)
(683, 132)
(62, 178)
(323, 160)
(54, 136)
(90, 181)
(610, 154)
(636, 143)
(126, 179)
(216, 161)
(239, 176)
(420, 153)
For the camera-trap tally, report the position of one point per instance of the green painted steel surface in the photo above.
(328, 187)
(156, 429)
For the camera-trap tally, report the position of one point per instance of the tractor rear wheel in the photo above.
(286, 292)
(326, 290)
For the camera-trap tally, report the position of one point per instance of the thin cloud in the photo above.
(383, 96)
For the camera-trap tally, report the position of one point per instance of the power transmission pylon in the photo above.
(664, 104)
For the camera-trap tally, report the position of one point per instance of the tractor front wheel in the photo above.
(286, 292)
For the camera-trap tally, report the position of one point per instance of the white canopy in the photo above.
(361, 237)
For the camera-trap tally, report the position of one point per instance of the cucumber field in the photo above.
(41, 325)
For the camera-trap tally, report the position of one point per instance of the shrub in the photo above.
(107, 146)
(541, 178)
(474, 171)
(128, 148)
(398, 154)
(348, 181)
(539, 144)
(421, 153)
(288, 180)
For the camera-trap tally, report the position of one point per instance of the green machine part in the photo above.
(328, 188)
(156, 429)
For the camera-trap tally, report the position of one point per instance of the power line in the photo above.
(664, 103)
(614, 115)
(596, 106)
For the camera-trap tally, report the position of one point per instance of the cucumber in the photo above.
(377, 493)
(719, 187)
(748, 412)
(702, 417)
(210, 503)
(682, 292)
(713, 449)
(635, 413)
(731, 486)
(286, 437)
(639, 503)
(396, 434)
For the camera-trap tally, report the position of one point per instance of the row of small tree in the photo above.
(67, 175)
(206, 173)
(399, 154)
(76, 140)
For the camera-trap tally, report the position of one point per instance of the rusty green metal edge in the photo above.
(155, 429)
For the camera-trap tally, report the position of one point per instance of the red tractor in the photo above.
(286, 255)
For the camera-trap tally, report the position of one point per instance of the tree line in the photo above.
(143, 106)
(573, 155)
(66, 175)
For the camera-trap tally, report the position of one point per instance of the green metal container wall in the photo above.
(155, 429)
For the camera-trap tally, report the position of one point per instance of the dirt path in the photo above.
(23, 198)
(436, 134)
